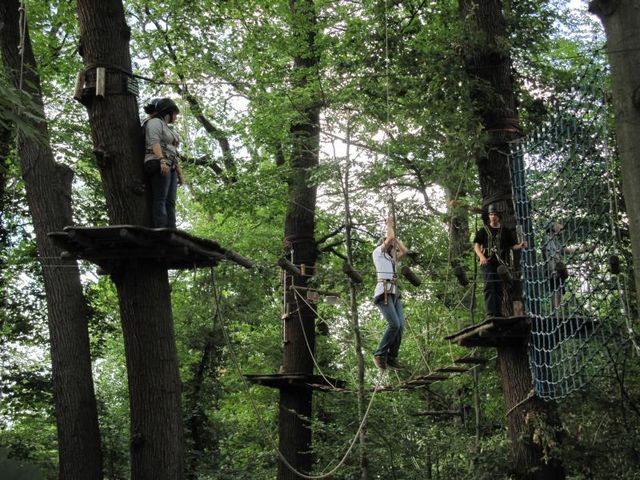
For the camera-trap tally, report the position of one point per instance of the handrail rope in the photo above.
(257, 412)
(387, 113)
(320, 317)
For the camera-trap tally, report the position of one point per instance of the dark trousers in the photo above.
(163, 199)
(492, 289)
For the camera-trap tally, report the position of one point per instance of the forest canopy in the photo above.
(305, 126)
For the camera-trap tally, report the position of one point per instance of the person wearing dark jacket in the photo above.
(492, 244)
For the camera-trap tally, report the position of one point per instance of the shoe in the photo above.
(394, 364)
(380, 361)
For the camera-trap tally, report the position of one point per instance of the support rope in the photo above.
(258, 414)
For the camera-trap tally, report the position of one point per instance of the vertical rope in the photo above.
(22, 24)
(389, 190)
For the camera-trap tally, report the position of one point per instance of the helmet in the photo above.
(161, 105)
(493, 208)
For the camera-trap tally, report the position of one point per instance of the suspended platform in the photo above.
(297, 380)
(493, 332)
(114, 245)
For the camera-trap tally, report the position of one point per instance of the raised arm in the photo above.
(390, 238)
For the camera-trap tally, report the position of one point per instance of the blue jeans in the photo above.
(393, 314)
(492, 289)
(164, 189)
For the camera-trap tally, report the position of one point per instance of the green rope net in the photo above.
(565, 193)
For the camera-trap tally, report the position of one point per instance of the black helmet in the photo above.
(161, 105)
(493, 208)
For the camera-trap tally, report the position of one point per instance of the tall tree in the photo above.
(157, 449)
(48, 189)
(492, 91)
(299, 230)
(621, 20)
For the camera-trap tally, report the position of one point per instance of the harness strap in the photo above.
(385, 282)
(494, 244)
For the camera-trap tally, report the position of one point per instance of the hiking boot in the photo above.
(394, 364)
(380, 361)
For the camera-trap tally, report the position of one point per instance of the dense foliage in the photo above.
(396, 121)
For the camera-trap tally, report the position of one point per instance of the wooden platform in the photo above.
(471, 360)
(117, 244)
(493, 332)
(296, 380)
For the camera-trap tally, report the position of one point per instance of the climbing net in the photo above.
(565, 172)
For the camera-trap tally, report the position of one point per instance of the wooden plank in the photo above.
(471, 360)
(279, 380)
(135, 237)
(435, 413)
(452, 369)
(82, 239)
(177, 240)
(493, 332)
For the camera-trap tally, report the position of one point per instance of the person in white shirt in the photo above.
(387, 298)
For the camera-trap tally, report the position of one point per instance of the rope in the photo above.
(529, 396)
(568, 164)
(304, 334)
(281, 456)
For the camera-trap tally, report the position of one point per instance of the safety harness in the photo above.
(494, 244)
(388, 281)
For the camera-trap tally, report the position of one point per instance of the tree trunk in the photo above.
(533, 424)
(157, 449)
(5, 148)
(621, 20)
(299, 230)
(48, 188)
(489, 68)
(152, 371)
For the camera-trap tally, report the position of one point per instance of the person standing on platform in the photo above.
(161, 160)
(492, 244)
(387, 298)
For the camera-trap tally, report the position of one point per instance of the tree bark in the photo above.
(621, 20)
(48, 189)
(5, 148)
(157, 449)
(493, 96)
(299, 230)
